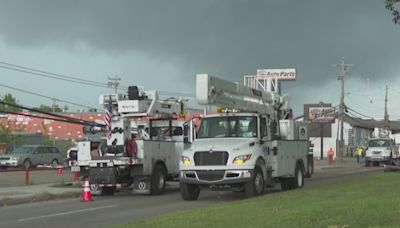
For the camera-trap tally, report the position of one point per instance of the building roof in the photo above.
(372, 123)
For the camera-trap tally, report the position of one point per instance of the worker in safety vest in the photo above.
(359, 153)
(331, 153)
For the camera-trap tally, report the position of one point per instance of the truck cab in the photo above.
(225, 142)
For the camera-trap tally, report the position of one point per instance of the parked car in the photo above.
(32, 155)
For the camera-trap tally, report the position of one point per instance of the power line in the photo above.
(56, 76)
(66, 118)
(47, 74)
(349, 108)
(85, 123)
(44, 96)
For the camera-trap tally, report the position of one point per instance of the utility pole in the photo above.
(344, 68)
(54, 110)
(54, 104)
(386, 115)
(114, 82)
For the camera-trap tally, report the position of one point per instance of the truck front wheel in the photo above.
(158, 180)
(298, 180)
(189, 192)
(256, 185)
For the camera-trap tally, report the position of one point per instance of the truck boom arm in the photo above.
(211, 90)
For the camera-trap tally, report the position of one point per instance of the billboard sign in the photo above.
(280, 74)
(321, 114)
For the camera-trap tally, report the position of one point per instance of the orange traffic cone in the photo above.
(86, 194)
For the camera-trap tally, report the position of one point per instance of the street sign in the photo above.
(280, 74)
(321, 114)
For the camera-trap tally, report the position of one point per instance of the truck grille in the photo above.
(4, 158)
(213, 158)
(212, 175)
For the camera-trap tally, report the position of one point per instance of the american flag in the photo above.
(108, 116)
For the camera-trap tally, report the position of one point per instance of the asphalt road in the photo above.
(125, 207)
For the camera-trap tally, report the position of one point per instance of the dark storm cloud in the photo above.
(230, 38)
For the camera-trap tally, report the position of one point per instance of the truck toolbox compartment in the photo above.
(102, 175)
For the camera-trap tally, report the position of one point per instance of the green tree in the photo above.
(7, 137)
(391, 6)
(8, 98)
(46, 108)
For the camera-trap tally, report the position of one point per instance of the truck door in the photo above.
(264, 136)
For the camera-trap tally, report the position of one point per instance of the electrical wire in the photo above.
(349, 108)
(44, 96)
(53, 75)
(61, 117)
(47, 74)
(80, 122)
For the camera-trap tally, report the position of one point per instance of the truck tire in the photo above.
(189, 192)
(391, 160)
(158, 179)
(256, 185)
(310, 169)
(108, 191)
(298, 180)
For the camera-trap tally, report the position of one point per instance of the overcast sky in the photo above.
(164, 44)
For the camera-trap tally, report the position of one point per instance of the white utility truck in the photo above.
(381, 150)
(148, 159)
(252, 144)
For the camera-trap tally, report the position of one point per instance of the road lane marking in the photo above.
(65, 213)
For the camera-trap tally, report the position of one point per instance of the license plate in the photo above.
(75, 169)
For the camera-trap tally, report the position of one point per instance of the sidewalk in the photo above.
(347, 162)
(41, 191)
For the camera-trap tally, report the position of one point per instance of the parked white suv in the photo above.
(381, 150)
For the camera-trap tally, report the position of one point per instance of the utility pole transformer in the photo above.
(114, 82)
(344, 68)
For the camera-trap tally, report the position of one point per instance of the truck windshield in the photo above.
(378, 143)
(228, 126)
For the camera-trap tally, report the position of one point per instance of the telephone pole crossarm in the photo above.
(114, 82)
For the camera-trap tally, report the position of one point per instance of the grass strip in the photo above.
(371, 201)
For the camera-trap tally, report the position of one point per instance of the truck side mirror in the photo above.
(188, 136)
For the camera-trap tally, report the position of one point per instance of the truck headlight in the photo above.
(238, 160)
(185, 160)
(14, 158)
